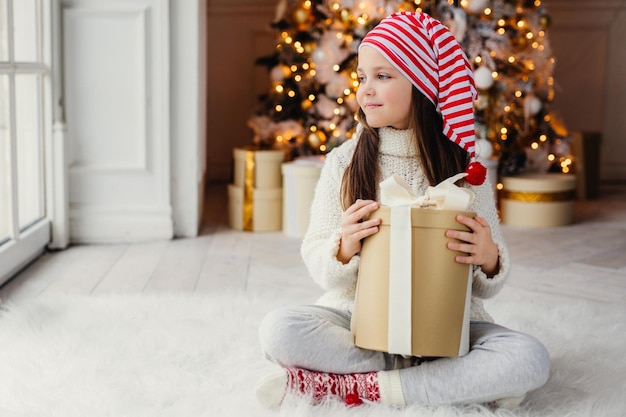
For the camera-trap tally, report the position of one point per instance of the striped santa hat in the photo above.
(428, 55)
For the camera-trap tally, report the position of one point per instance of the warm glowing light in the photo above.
(478, 60)
(534, 145)
(322, 148)
(291, 93)
(305, 66)
(336, 67)
(340, 100)
(495, 75)
(280, 88)
(501, 31)
(518, 94)
(511, 59)
(543, 138)
(288, 39)
(347, 92)
(298, 78)
(312, 97)
(551, 157)
(500, 186)
(507, 108)
(521, 24)
(503, 130)
(487, 11)
(332, 126)
(279, 138)
(501, 22)
(278, 108)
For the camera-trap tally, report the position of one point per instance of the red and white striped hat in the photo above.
(427, 54)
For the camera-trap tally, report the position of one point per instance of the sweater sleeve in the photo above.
(484, 205)
(321, 241)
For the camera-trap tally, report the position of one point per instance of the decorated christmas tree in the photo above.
(310, 106)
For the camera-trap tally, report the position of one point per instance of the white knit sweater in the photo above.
(321, 242)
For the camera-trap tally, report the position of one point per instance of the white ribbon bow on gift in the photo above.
(395, 192)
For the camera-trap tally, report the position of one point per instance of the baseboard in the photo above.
(120, 224)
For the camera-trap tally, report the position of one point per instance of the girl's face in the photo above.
(384, 94)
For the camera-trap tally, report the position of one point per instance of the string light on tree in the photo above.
(314, 83)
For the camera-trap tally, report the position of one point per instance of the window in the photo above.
(25, 126)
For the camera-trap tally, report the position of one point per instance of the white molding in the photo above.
(119, 224)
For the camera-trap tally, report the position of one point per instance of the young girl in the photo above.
(415, 96)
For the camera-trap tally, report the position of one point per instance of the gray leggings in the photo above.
(501, 362)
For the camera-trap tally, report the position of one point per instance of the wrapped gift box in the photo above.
(425, 312)
(538, 200)
(259, 168)
(299, 181)
(262, 213)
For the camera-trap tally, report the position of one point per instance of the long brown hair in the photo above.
(439, 156)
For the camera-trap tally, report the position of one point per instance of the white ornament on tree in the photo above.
(483, 78)
(532, 105)
(458, 24)
(476, 6)
(484, 148)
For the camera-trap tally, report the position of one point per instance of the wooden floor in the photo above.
(584, 260)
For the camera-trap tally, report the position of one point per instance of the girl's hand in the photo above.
(354, 228)
(478, 244)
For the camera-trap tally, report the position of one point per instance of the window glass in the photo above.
(29, 149)
(25, 25)
(4, 31)
(5, 183)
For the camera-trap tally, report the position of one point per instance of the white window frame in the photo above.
(50, 230)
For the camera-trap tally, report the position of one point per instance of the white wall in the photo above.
(188, 55)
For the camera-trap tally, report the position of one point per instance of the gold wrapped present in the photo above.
(265, 215)
(538, 200)
(256, 190)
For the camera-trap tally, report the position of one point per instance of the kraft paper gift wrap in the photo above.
(412, 297)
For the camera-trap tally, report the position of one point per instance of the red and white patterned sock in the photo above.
(351, 388)
(384, 387)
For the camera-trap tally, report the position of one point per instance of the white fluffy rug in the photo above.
(198, 355)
